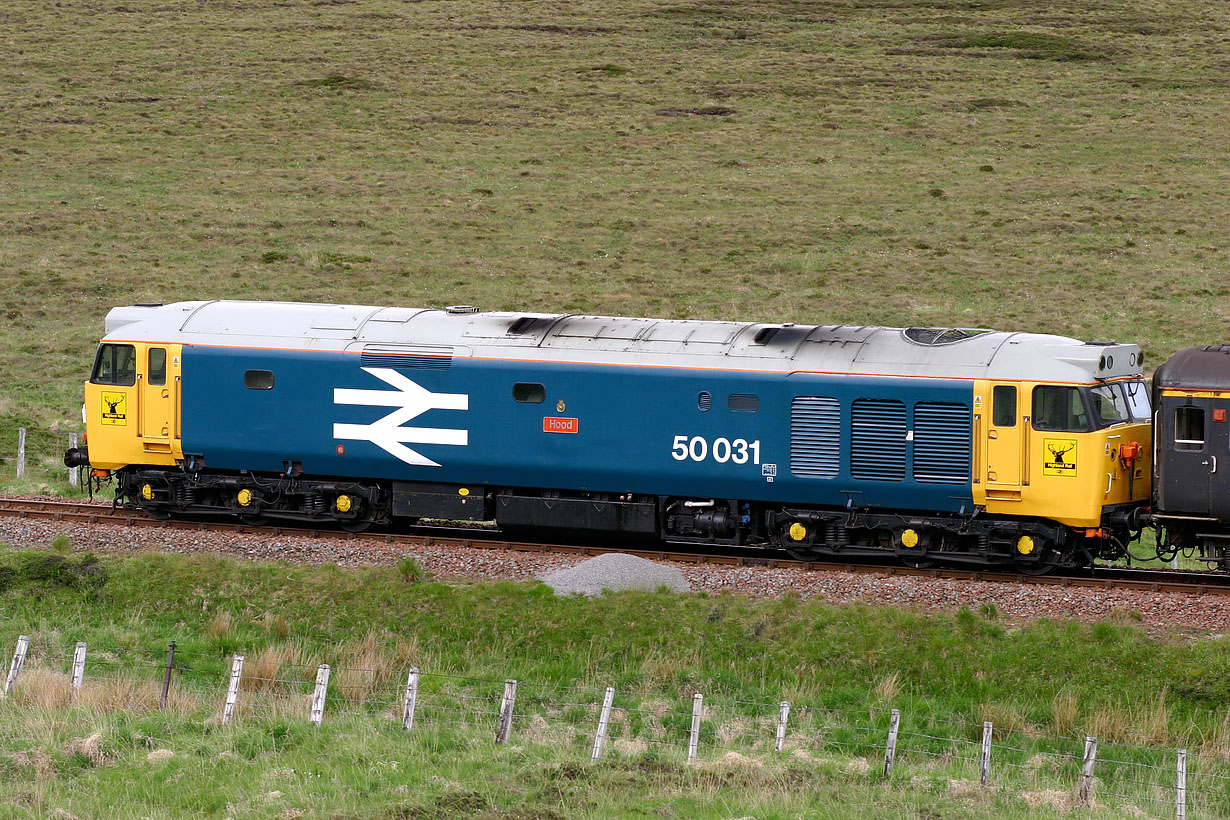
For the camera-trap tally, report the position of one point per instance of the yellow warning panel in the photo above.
(115, 408)
(1059, 456)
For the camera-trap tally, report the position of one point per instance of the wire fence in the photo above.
(39, 456)
(1065, 772)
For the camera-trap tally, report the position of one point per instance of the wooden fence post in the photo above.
(890, 750)
(698, 702)
(410, 699)
(1180, 795)
(318, 697)
(73, 472)
(1091, 757)
(166, 676)
(987, 732)
(504, 728)
(19, 660)
(78, 675)
(782, 716)
(232, 690)
(604, 722)
(21, 452)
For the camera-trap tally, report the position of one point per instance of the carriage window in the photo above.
(1138, 400)
(116, 364)
(258, 379)
(1059, 409)
(1189, 428)
(1109, 405)
(529, 392)
(157, 366)
(1004, 412)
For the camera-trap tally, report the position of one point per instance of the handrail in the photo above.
(1026, 426)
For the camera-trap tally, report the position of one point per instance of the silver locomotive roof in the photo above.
(463, 331)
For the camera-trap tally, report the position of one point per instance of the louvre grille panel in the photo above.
(877, 439)
(942, 434)
(406, 362)
(815, 437)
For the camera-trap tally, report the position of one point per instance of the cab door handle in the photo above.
(1212, 461)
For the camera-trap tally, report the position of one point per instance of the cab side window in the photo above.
(1003, 411)
(157, 366)
(116, 364)
(1060, 409)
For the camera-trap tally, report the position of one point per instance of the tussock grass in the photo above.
(843, 668)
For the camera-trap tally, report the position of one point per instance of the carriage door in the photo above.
(156, 400)
(1219, 458)
(1190, 465)
(1003, 439)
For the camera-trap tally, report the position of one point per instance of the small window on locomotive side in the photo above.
(529, 392)
(258, 379)
(116, 364)
(1003, 412)
(157, 366)
(1189, 428)
(704, 401)
(743, 402)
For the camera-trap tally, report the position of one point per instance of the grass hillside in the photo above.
(1046, 165)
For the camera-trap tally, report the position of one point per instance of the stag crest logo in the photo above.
(408, 401)
(115, 408)
(1059, 456)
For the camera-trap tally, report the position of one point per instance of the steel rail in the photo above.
(1100, 577)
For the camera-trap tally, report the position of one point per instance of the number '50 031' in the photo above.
(697, 448)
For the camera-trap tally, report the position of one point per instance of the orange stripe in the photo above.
(632, 364)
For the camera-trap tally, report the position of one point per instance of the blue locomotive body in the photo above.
(586, 427)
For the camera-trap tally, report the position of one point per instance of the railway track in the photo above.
(1101, 577)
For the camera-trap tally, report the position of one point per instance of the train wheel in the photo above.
(254, 520)
(356, 524)
(156, 512)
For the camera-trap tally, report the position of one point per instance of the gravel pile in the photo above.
(616, 572)
(1158, 611)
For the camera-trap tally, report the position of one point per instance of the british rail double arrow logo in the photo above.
(411, 401)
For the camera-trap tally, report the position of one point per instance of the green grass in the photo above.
(774, 160)
(1044, 685)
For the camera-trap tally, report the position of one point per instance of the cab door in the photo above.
(1003, 443)
(158, 386)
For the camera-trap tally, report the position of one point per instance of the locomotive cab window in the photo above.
(116, 364)
(157, 366)
(258, 379)
(1189, 428)
(529, 392)
(1138, 400)
(1003, 413)
(1109, 405)
(1060, 409)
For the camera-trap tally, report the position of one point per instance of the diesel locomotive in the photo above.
(964, 446)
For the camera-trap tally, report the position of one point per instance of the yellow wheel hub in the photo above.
(147, 492)
(244, 498)
(909, 539)
(797, 531)
(1025, 545)
(344, 503)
